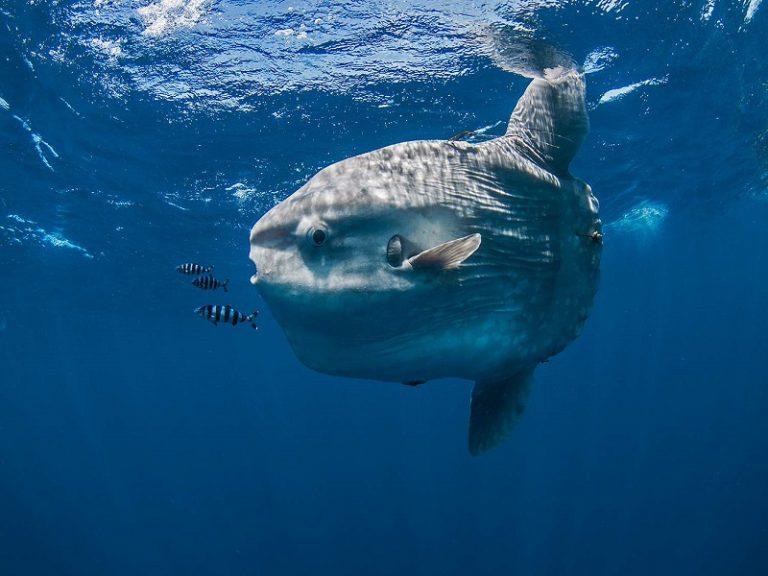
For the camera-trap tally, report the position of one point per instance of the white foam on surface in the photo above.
(612, 5)
(109, 48)
(619, 93)
(164, 16)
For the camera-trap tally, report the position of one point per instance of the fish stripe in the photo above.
(226, 315)
(218, 313)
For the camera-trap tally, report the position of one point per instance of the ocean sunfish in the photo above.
(433, 259)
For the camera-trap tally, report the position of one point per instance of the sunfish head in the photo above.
(338, 265)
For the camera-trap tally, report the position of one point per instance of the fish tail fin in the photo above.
(224, 285)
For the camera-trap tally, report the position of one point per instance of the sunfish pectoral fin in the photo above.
(447, 255)
(550, 119)
(495, 408)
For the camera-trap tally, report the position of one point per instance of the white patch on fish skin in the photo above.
(488, 311)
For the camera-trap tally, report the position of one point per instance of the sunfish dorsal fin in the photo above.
(495, 408)
(550, 119)
(447, 255)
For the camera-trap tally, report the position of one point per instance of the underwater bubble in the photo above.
(752, 6)
(619, 93)
(25, 231)
(598, 59)
(646, 217)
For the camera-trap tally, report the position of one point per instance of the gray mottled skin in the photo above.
(520, 298)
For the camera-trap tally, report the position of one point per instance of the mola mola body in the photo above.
(434, 259)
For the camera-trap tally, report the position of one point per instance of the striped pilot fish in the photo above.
(210, 283)
(217, 313)
(193, 269)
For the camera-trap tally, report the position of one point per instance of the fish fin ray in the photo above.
(495, 408)
(447, 255)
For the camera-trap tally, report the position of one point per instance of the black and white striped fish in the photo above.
(210, 283)
(217, 313)
(193, 269)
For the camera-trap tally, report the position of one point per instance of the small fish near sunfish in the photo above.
(217, 313)
(192, 269)
(210, 283)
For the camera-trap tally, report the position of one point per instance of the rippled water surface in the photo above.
(135, 438)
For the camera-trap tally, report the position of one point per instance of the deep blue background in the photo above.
(135, 438)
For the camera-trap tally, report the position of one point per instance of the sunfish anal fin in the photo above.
(447, 255)
(495, 408)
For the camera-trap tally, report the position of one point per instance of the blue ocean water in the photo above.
(136, 438)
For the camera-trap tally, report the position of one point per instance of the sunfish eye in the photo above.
(395, 251)
(318, 235)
